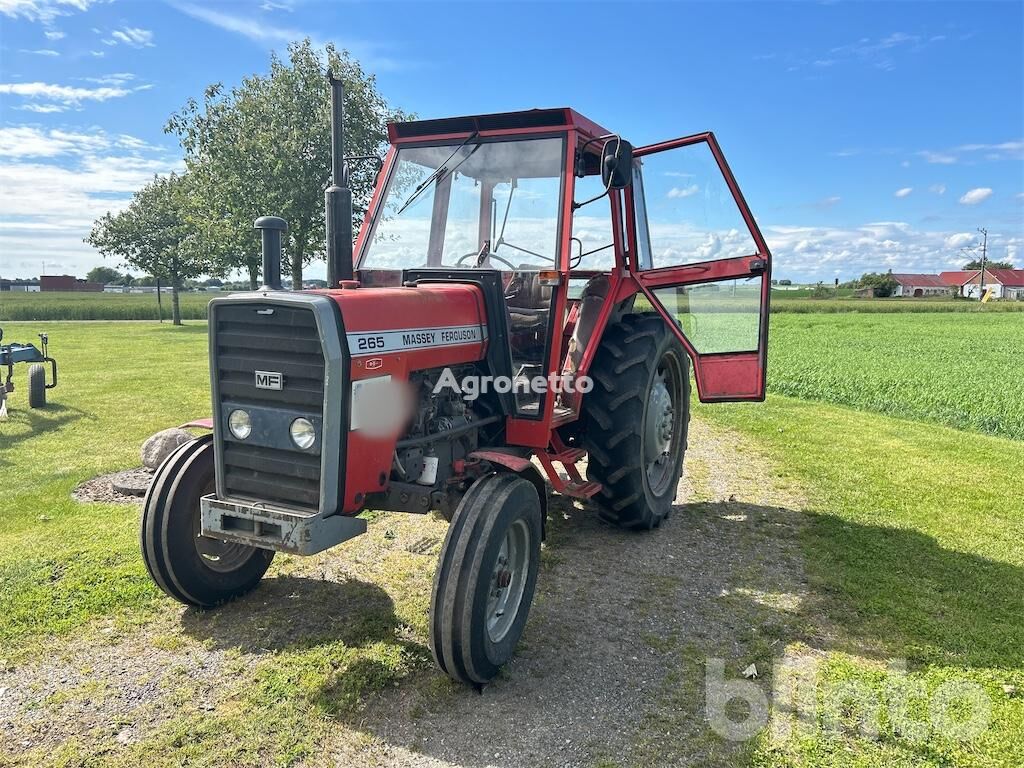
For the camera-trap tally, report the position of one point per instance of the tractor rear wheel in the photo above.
(485, 578)
(636, 420)
(36, 386)
(192, 568)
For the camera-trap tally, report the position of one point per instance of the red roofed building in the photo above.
(958, 278)
(1005, 284)
(920, 285)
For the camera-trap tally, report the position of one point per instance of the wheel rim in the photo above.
(508, 581)
(217, 555)
(663, 425)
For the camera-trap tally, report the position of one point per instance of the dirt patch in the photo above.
(126, 487)
(114, 692)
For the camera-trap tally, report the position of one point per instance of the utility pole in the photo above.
(984, 252)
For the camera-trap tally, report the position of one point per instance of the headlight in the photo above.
(240, 424)
(303, 433)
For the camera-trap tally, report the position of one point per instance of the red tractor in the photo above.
(527, 290)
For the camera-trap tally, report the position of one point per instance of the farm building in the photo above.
(1005, 284)
(68, 283)
(958, 278)
(920, 285)
(20, 286)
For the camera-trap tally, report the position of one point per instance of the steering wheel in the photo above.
(476, 254)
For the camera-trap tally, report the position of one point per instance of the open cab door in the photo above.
(702, 263)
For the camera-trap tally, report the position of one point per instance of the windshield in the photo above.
(479, 204)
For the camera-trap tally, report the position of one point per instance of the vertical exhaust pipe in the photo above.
(272, 229)
(338, 197)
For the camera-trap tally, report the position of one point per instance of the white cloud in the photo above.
(939, 158)
(903, 192)
(40, 52)
(689, 191)
(54, 34)
(42, 109)
(54, 184)
(959, 240)
(819, 253)
(65, 95)
(21, 141)
(114, 78)
(134, 37)
(258, 30)
(44, 11)
(1005, 150)
(828, 202)
(938, 189)
(975, 196)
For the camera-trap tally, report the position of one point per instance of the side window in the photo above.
(592, 246)
(690, 212)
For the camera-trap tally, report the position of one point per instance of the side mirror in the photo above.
(617, 163)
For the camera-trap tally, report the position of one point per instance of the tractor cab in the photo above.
(576, 221)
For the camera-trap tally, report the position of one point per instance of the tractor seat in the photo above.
(591, 300)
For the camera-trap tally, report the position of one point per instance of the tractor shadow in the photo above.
(25, 423)
(292, 612)
(612, 664)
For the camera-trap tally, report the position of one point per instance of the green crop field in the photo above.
(964, 370)
(908, 531)
(60, 305)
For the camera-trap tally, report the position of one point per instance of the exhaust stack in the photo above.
(272, 229)
(338, 196)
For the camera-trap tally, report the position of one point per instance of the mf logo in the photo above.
(269, 380)
(374, 363)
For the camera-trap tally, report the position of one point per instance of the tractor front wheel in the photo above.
(192, 568)
(636, 420)
(36, 386)
(486, 577)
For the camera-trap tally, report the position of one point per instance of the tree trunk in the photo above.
(175, 305)
(253, 265)
(297, 268)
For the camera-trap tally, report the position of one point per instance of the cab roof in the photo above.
(531, 120)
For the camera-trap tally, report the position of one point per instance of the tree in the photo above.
(103, 275)
(155, 233)
(264, 148)
(976, 264)
(881, 284)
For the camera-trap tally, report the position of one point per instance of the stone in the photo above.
(161, 445)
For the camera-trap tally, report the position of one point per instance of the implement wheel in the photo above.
(485, 579)
(636, 420)
(191, 568)
(36, 386)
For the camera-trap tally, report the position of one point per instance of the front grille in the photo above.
(249, 338)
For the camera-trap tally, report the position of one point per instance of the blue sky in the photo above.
(866, 136)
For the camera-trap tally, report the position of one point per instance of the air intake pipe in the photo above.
(272, 229)
(338, 196)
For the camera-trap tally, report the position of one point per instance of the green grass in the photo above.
(965, 371)
(783, 303)
(63, 564)
(58, 305)
(913, 549)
